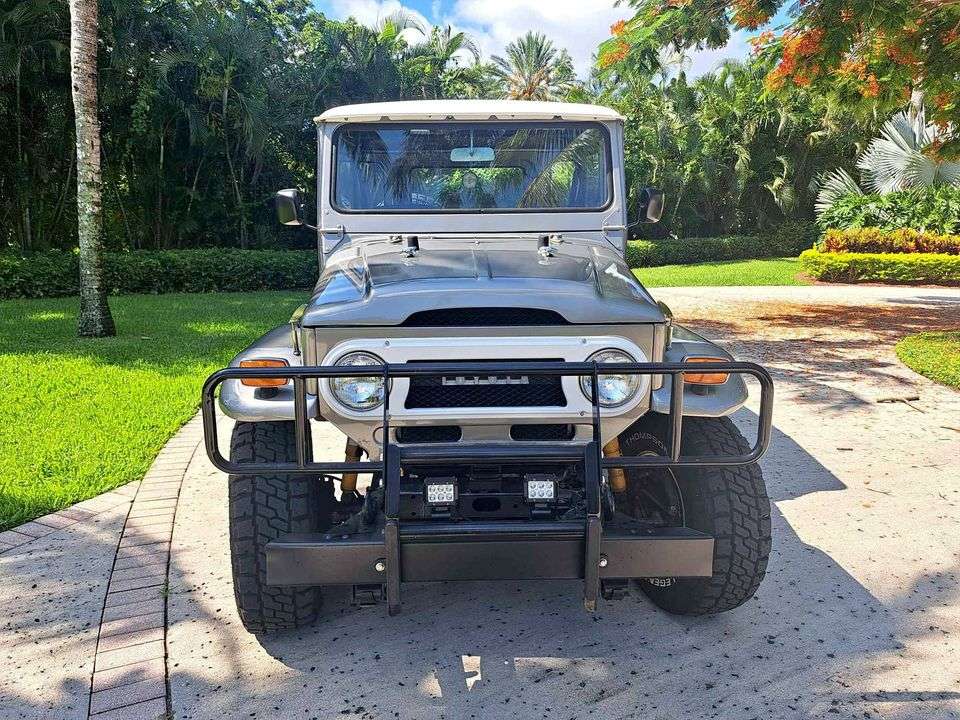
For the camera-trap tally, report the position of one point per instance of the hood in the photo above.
(377, 284)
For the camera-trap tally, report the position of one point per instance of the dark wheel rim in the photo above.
(653, 494)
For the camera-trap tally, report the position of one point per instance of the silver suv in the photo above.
(515, 402)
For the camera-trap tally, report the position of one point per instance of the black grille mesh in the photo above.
(429, 434)
(426, 392)
(542, 432)
(483, 317)
(533, 391)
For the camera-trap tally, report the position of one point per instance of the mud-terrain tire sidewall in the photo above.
(262, 508)
(729, 503)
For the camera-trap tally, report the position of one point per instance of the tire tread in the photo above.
(262, 508)
(735, 503)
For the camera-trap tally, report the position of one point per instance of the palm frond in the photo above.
(833, 186)
(897, 158)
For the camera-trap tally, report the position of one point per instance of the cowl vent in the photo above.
(484, 317)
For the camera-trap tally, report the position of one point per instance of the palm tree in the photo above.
(534, 69)
(95, 319)
(430, 61)
(898, 159)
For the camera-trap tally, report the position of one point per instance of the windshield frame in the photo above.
(611, 189)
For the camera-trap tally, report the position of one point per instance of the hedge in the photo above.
(788, 240)
(898, 269)
(53, 273)
(935, 209)
(875, 240)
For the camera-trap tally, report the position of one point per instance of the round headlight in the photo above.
(617, 389)
(358, 393)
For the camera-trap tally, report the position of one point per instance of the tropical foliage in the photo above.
(926, 209)
(899, 158)
(860, 53)
(730, 158)
(875, 240)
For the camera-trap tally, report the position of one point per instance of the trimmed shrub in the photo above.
(897, 269)
(788, 240)
(53, 274)
(875, 240)
(927, 209)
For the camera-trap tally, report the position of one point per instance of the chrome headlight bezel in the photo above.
(631, 382)
(375, 393)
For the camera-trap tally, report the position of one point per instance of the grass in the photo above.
(783, 271)
(80, 417)
(935, 355)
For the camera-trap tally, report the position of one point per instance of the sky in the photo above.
(578, 25)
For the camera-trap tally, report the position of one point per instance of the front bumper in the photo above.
(489, 551)
(590, 548)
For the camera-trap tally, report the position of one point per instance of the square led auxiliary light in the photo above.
(440, 492)
(540, 490)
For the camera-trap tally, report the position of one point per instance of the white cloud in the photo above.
(577, 25)
(369, 12)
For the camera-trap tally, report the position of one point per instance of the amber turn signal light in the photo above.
(263, 382)
(705, 378)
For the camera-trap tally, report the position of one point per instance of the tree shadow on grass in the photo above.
(166, 334)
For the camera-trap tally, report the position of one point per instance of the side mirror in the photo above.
(651, 205)
(289, 208)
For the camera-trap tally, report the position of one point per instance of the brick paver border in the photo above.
(62, 519)
(129, 680)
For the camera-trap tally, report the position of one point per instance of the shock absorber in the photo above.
(348, 482)
(616, 476)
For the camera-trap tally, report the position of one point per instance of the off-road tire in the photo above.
(262, 508)
(729, 503)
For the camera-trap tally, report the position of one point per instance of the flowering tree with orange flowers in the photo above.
(860, 53)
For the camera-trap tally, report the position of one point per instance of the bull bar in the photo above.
(466, 550)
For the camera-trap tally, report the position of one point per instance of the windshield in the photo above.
(471, 167)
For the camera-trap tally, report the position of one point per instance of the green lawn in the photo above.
(935, 355)
(782, 271)
(80, 417)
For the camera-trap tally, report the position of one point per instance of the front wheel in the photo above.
(263, 508)
(728, 503)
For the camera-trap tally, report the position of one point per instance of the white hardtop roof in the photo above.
(467, 110)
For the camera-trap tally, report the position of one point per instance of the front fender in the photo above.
(265, 404)
(703, 400)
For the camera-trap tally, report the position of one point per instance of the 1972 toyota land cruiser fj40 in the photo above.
(526, 409)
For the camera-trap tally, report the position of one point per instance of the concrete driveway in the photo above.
(103, 615)
(858, 616)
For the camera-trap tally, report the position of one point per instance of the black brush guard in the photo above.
(495, 550)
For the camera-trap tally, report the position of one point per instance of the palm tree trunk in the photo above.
(95, 319)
